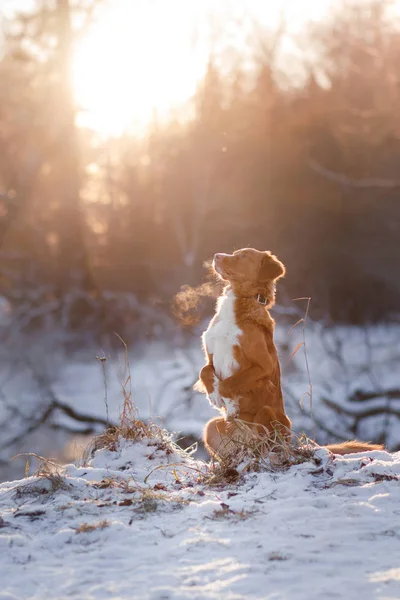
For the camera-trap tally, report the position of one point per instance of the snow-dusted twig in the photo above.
(303, 322)
(342, 179)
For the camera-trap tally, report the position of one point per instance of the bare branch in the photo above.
(52, 406)
(360, 396)
(361, 414)
(342, 179)
(77, 416)
(33, 425)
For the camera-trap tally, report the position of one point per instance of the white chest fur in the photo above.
(222, 335)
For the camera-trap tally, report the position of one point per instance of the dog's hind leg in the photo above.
(269, 420)
(222, 438)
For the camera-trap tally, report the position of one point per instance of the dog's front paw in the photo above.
(214, 397)
(216, 400)
(231, 407)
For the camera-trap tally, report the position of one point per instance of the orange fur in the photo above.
(253, 386)
(256, 384)
(353, 446)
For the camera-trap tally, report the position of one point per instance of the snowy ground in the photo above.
(121, 528)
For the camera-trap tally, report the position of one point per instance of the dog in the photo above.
(242, 377)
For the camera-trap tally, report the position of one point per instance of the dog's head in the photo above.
(249, 271)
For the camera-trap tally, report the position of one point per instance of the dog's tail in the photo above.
(353, 446)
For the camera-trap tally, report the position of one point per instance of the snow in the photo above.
(142, 521)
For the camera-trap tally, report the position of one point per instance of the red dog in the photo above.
(242, 376)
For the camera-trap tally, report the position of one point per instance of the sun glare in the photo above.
(139, 60)
(146, 58)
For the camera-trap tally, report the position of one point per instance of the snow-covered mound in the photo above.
(142, 520)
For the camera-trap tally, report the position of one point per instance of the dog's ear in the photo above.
(271, 268)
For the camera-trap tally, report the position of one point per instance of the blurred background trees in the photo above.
(308, 170)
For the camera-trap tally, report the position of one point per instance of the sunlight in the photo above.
(144, 59)
(132, 66)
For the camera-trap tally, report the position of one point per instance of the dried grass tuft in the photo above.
(269, 451)
(130, 426)
(88, 528)
(47, 470)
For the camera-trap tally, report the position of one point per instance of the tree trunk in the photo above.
(73, 267)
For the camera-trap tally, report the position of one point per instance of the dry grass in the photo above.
(144, 500)
(149, 500)
(47, 470)
(135, 430)
(130, 426)
(274, 451)
(88, 528)
(109, 482)
(225, 512)
(220, 474)
(254, 452)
